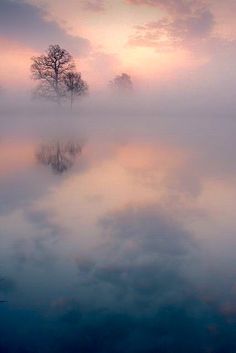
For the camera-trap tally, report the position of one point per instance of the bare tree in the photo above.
(121, 83)
(50, 69)
(60, 156)
(75, 86)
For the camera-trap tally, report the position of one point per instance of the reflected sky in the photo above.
(131, 248)
(117, 215)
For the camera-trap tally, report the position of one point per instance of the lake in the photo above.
(118, 232)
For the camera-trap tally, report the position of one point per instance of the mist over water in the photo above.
(118, 225)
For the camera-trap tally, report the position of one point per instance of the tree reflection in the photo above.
(60, 156)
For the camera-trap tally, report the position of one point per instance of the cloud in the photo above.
(43, 221)
(94, 5)
(133, 295)
(37, 251)
(100, 67)
(140, 262)
(175, 32)
(19, 190)
(171, 6)
(199, 36)
(27, 24)
(152, 228)
(127, 298)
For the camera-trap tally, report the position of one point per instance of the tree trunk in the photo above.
(71, 100)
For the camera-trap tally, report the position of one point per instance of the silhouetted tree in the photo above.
(121, 83)
(50, 69)
(75, 86)
(60, 156)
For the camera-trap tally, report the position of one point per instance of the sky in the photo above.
(157, 42)
(117, 215)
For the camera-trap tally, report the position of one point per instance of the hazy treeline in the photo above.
(58, 78)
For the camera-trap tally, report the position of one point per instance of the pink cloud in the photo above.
(174, 31)
(14, 73)
(171, 6)
(94, 5)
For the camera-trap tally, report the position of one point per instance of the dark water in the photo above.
(118, 234)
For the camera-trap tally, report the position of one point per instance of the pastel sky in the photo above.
(153, 40)
(117, 212)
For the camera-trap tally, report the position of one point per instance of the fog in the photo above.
(121, 237)
(117, 176)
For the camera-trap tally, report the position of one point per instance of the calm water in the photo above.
(118, 234)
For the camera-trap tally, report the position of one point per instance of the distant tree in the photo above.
(121, 83)
(75, 86)
(50, 69)
(60, 156)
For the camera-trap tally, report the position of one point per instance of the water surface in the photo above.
(117, 233)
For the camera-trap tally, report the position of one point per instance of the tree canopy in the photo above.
(56, 72)
(121, 83)
(75, 85)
